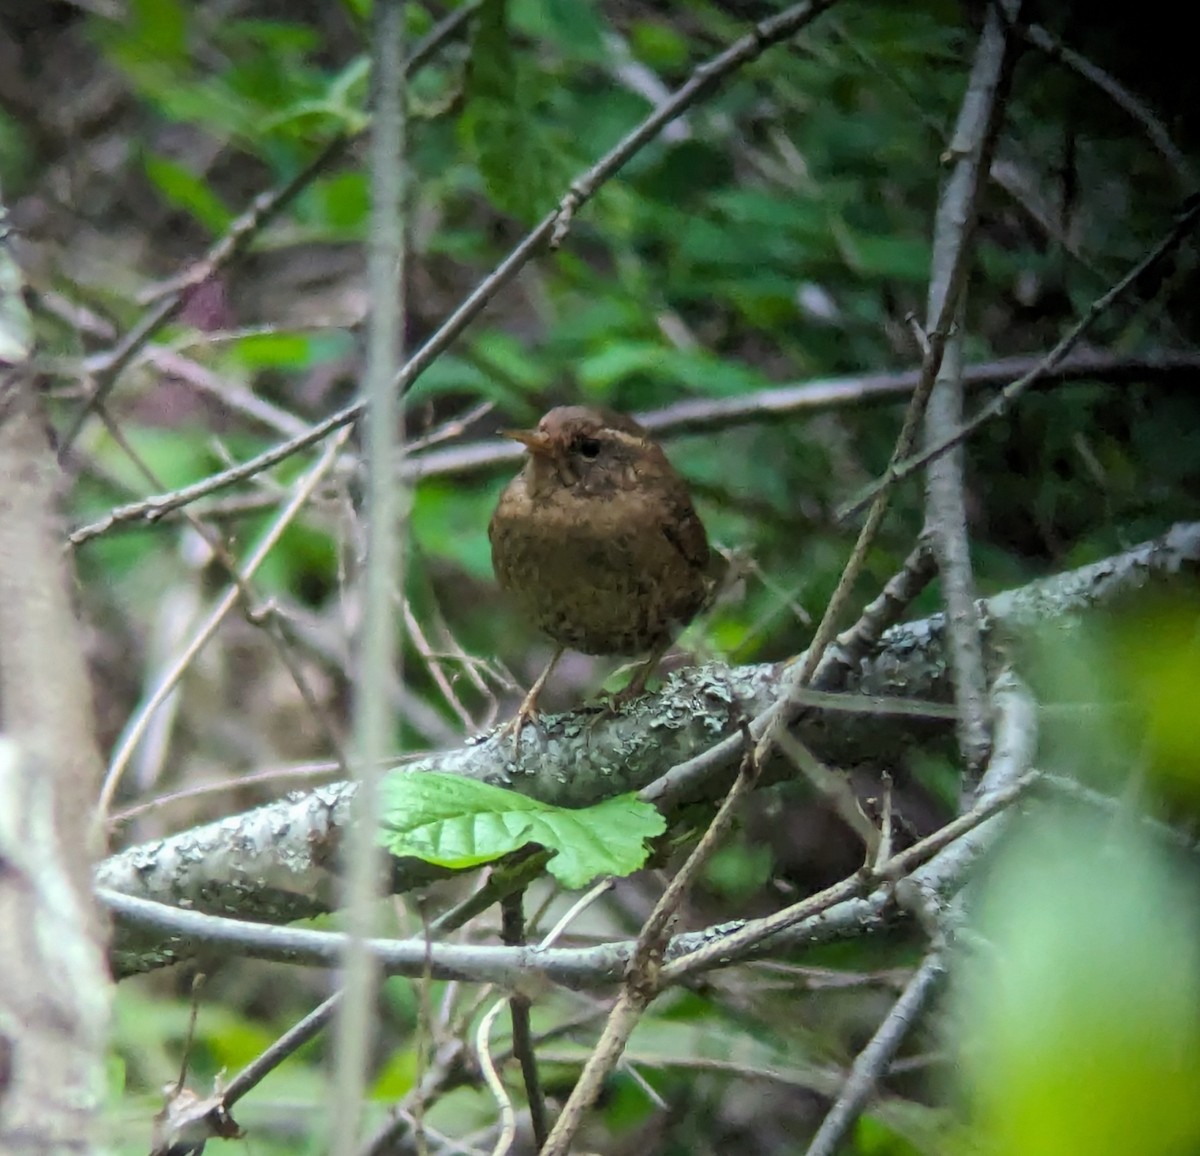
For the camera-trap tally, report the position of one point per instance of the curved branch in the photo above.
(277, 862)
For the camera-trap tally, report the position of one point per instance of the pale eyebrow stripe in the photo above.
(627, 438)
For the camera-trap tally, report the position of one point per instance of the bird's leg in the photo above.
(528, 708)
(637, 684)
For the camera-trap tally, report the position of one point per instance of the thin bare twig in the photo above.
(1012, 392)
(725, 949)
(706, 77)
(875, 1057)
(258, 613)
(287, 1045)
(897, 594)
(958, 208)
(1016, 741)
(946, 516)
(137, 726)
(241, 233)
(692, 415)
(513, 933)
(383, 573)
(642, 978)
(482, 1047)
(1132, 105)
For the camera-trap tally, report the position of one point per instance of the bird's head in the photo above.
(586, 449)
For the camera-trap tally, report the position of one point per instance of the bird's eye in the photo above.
(588, 448)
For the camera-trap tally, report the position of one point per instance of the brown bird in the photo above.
(597, 542)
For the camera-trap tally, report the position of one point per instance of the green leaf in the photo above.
(1083, 1015)
(450, 521)
(188, 192)
(457, 822)
(160, 30)
(496, 124)
(276, 350)
(657, 44)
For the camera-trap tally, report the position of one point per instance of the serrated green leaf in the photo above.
(457, 822)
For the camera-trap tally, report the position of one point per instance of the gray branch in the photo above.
(278, 863)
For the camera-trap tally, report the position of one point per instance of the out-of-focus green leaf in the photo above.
(874, 1137)
(1156, 667)
(397, 1076)
(738, 869)
(158, 29)
(450, 522)
(902, 258)
(512, 360)
(340, 202)
(275, 350)
(658, 45)
(516, 163)
(1082, 1015)
(575, 28)
(183, 189)
(457, 822)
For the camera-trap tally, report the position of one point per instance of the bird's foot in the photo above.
(609, 702)
(528, 710)
(527, 713)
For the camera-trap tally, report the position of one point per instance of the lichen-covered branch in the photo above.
(277, 863)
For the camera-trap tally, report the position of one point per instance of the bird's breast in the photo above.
(595, 572)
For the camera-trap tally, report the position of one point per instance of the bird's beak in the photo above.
(536, 443)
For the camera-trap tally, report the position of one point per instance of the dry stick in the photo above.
(972, 144)
(1013, 751)
(450, 1067)
(513, 933)
(436, 670)
(258, 614)
(946, 529)
(952, 279)
(378, 627)
(263, 209)
(1004, 782)
(508, 1116)
(700, 415)
(999, 406)
(137, 728)
(1003, 175)
(875, 1056)
(1044, 40)
(740, 943)
(238, 398)
(683, 779)
(685, 417)
(146, 508)
(761, 37)
(304, 1030)
(643, 976)
(523, 1048)
(287, 1044)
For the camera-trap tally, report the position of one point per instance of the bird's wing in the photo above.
(683, 528)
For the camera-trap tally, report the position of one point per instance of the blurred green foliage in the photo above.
(1082, 1012)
